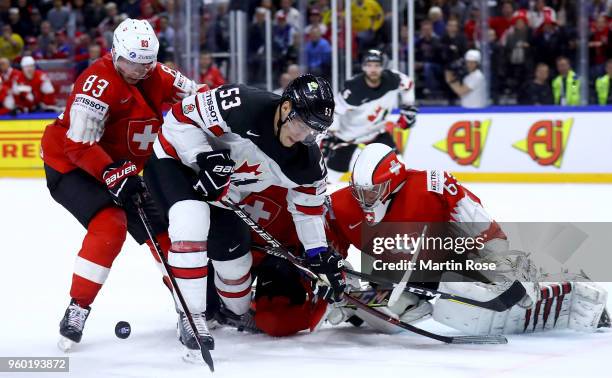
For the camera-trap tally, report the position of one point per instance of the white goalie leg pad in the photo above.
(476, 320)
(575, 305)
(188, 258)
(233, 282)
(587, 304)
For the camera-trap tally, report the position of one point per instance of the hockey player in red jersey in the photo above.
(383, 190)
(95, 149)
(32, 88)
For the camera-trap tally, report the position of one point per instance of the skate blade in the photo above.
(65, 344)
(192, 356)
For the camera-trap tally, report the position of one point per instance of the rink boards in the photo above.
(496, 144)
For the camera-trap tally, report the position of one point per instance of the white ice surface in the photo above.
(40, 241)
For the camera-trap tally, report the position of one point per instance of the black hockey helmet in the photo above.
(312, 100)
(373, 55)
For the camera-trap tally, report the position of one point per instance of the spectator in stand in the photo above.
(76, 23)
(436, 18)
(8, 73)
(46, 35)
(315, 20)
(33, 90)
(221, 27)
(566, 86)
(427, 51)
(537, 91)
(598, 45)
(18, 25)
(94, 51)
(549, 43)
(209, 73)
(294, 71)
(148, 13)
(256, 45)
(35, 23)
(517, 43)
(341, 38)
(95, 12)
(31, 48)
(454, 45)
(318, 54)
(602, 86)
(166, 39)
(58, 16)
(541, 13)
(292, 14)
(283, 81)
(6, 99)
(207, 33)
(471, 28)
(108, 24)
(11, 44)
(503, 22)
(282, 39)
(472, 89)
(131, 8)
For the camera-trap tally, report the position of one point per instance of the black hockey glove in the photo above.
(328, 265)
(409, 112)
(216, 168)
(329, 144)
(122, 181)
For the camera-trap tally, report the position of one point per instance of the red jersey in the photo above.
(212, 77)
(30, 93)
(131, 113)
(276, 315)
(427, 196)
(9, 77)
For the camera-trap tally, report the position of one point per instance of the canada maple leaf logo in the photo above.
(246, 168)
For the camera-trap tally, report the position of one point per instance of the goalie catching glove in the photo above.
(216, 168)
(328, 265)
(123, 182)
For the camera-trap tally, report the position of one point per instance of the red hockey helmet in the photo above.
(377, 174)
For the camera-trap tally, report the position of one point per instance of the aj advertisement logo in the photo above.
(465, 141)
(546, 141)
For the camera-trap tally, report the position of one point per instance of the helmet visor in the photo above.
(302, 131)
(369, 196)
(133, 70)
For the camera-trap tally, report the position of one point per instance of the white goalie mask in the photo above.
(135, 48)
(377, 174)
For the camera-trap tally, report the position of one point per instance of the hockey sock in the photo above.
(105, 236)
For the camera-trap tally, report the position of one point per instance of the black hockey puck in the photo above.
(123, 329)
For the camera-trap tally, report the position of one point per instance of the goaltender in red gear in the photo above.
(95, 149)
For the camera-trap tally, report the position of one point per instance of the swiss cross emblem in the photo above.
(141, 135)
(395, 167)
(263, 210)
(144, 43)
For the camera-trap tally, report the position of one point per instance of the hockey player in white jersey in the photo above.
(363, 112)
(227, 143)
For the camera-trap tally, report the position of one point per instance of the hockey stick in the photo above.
(401, 286)
(147, 225)
(282, 252)
(501, 303)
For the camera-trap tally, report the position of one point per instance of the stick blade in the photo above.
(484, 339)
(207, 358)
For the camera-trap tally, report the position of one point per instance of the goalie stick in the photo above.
(147, 225)
(501, 303)
(282, 252)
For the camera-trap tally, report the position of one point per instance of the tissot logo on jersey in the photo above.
(210, 114)
(465, 141)
(92, 106)
(546, 141)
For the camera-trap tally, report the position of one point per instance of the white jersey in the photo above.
(241, 119)
(361, 112)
